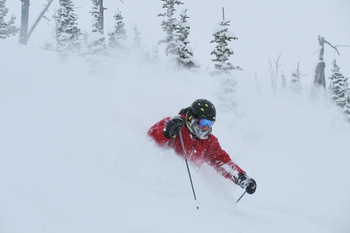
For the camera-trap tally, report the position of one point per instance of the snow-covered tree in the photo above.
(137, 37)
(222, 52)
(338, 88)
(295, 83)
(228, 94)
(97, 43)
(346, 108)
(155, 54)
(140, 53)
(7, 29)
(67, 31)
(283, 81)
(118, 35)
(169, 26)
(184, 53)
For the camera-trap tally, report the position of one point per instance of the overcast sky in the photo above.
(264, 29)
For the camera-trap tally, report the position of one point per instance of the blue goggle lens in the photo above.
(204, 122)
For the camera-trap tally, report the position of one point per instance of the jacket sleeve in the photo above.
(156, 132)
(221, 161)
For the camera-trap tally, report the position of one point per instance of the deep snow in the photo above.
(74, 155)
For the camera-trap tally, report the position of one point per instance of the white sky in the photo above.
(264, 28)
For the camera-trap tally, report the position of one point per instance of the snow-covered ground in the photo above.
(74, 155)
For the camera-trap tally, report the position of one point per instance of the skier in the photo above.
(200, 145)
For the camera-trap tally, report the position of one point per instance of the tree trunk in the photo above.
(24, 22)
(101, 9)
(319, 74)
(38, 19)
(320, 79)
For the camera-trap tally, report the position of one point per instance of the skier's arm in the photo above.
(156, 132)
(221, 161)
(166, 129)
(225, 166)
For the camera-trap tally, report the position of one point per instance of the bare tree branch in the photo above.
(334, 47)
(274, 72)
(342, 46)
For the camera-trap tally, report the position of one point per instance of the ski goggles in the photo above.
(204, 122)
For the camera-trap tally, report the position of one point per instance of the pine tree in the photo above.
(346, 108)
(185, 54)
(67, 31)
(119, 33)
(7, 29)
(155, 54)
(140, 53)
(169, 26)
(137, 37)
(97, 43)
(222, 52)
(295, 83)
(283, 81)
(338, 88)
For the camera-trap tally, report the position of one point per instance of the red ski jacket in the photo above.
(198, 151)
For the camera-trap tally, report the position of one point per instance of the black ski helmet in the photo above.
(199, 109)
(203, 108)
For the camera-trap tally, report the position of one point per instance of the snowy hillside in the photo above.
(74, 155)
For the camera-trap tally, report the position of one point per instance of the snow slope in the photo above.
(74, 155)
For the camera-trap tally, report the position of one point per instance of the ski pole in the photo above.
(188, 169)
(241, 197)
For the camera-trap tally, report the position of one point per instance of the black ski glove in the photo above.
(173, 127)
(246, 183)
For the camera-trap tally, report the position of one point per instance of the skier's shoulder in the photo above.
(212, 142)
(212, 138)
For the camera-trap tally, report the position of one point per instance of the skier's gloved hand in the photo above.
(246, 183)
(173, 127)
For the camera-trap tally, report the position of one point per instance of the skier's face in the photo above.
(205, 124)
(199, 127)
